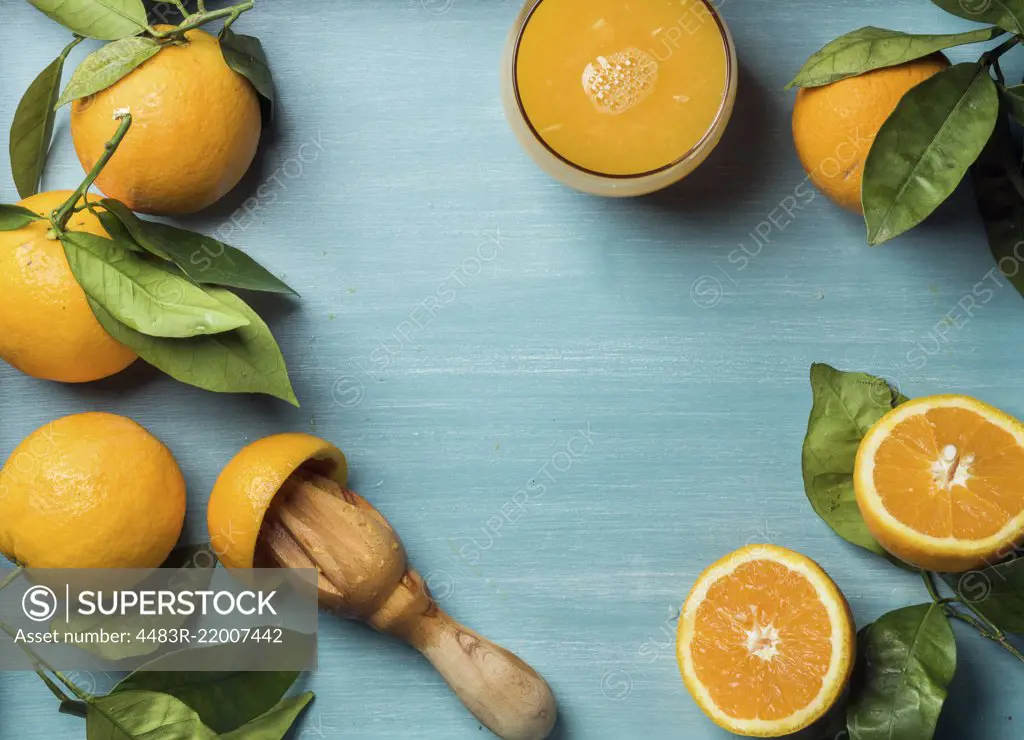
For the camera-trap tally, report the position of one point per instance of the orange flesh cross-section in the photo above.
(762, 642)
(970, 497)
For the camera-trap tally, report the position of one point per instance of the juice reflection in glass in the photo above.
(619, 97)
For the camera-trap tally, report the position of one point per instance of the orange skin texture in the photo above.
(247, 486)
(923, 557)
(91, 491)
(834, 125)
(195, 129)
(47, 329)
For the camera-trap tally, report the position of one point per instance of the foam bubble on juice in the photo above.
(620, 81)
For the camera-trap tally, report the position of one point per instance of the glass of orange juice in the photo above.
(619, 97)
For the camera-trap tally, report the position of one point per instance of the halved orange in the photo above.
(248, 484)
(765, 642)
(940, 482)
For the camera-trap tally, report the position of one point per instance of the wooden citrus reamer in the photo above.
(308, 518)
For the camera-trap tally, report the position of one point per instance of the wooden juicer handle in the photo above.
(363, 574)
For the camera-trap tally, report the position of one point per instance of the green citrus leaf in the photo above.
(127, 223)
(14, 217)
(274, 724)
(1008, 14)
(107, 65)
(142, 715)
(925, 148)
(871, 48)
(245, 55)
(246, 360)
(997, 592)
(203, 259)
(906, 661)
(999, 194)
(224, 700)
(144, 295)
(74, 707)
(105, 20)
(1013, 97)
(32, 128)
(832, 726)
(113, 226)
(845, 406)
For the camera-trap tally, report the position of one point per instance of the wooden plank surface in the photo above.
(608, 348)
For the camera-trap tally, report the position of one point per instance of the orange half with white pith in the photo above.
(940, 482)
(248, 484)
(765, 642)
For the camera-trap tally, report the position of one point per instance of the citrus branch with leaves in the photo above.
(909, 654)
(133, 41)
(158, 289)
(149, 292)
(953, 123)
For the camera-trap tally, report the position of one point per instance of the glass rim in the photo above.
(722, 106)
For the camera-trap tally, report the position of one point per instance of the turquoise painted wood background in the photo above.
(612, 351)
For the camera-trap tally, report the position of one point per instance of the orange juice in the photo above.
(623, 88)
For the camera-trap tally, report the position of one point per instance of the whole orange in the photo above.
(90, 491)
(195, 128)
(47, 329)
(834, 125)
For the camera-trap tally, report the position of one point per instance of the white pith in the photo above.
(940, 469)
(951, 469)
(838, 620)
(763, 642)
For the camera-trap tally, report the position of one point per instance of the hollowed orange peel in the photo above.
(283, 501)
